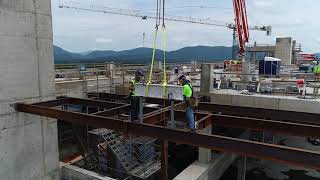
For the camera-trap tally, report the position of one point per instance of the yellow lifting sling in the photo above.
(164, 38)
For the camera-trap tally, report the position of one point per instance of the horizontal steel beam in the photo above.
(53, 103)
(122, 98)
(74, 117)
(282, 154)
(113, 111)
(108, 96)
(95, 103)
(276, 127)
(154, 116)
(260, 113)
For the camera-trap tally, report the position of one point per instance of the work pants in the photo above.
(190, 118)
(135, 108)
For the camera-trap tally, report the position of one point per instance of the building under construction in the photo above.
(71, 122)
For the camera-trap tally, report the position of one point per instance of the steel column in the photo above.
(164, 160)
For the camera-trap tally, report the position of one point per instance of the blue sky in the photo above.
(80, 31)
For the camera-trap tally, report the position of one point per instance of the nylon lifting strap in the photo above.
(164, 41)
(164, 38)
(152, 62)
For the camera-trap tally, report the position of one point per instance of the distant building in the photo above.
(285, 49)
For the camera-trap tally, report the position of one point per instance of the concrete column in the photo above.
(245, 70)
(205, 154)
(206, 80)
(28, 143)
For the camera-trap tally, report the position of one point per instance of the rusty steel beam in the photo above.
(205, 121)
(108, 96)
(73, 117)
(260, 113)
(122, 98)
(155, 116)
(53, 103)
(279, 115)
(277, 127)
(87, 102)
(277, 153)
(113, 111)
(95, 103)
(122, 109)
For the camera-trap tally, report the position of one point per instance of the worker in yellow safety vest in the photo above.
(134, 100)
(188, 94)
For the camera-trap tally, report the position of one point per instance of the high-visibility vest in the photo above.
(133, 89)
(318, 69)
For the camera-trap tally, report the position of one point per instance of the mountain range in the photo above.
(143, 55)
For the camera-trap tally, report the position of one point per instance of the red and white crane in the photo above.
(242, 27)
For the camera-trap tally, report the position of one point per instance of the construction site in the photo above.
(256, 116)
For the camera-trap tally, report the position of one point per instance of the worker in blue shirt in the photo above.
(134, 100)
(188, 94)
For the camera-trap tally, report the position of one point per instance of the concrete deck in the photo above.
(288, 103)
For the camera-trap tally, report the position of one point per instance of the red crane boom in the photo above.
(241, 20)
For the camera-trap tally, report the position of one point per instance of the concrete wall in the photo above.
(75, 88)
(78, 88)
(283, 51)
(69, 172)
(267, 102)
(28, 144)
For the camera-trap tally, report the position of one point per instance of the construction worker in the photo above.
(188, 94)
(316, 70)
(134, 100)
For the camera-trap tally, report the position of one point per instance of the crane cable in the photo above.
(154, 48)
(164, 84)
(158, 21)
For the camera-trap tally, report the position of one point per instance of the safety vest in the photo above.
(317, 69)
(132, 91)
(187, 90)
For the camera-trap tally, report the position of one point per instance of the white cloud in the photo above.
(92, 29)
(263, 4)
(103, 40)
(179, 39)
